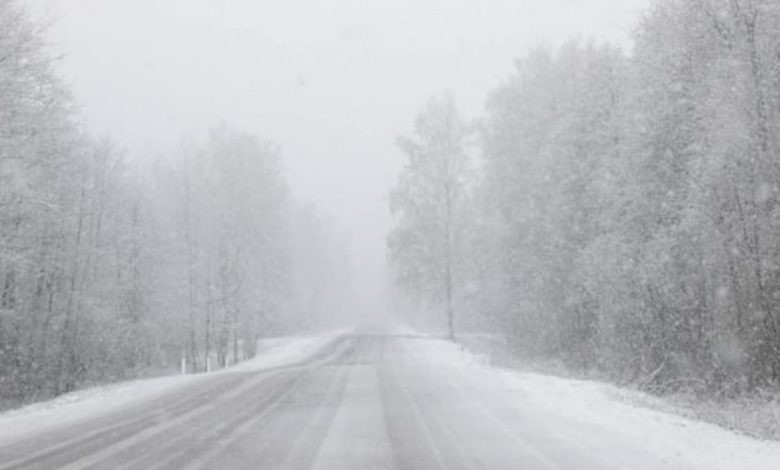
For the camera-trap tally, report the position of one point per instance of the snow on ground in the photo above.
(82, 404)
(276, 352)
(591, 412)
(598, 420)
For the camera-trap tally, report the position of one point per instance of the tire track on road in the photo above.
(103, 441)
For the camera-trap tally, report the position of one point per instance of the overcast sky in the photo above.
(332, 81)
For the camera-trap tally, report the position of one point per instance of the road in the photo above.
(366, 401)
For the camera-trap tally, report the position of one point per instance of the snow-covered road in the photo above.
(368, 401)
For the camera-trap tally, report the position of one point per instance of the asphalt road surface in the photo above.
(363, 402)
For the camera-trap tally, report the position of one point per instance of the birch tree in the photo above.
(427, 203)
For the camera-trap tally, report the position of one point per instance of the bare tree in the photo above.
(427, 203)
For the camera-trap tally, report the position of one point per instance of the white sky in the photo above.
(332, 81)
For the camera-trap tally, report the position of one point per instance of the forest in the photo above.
(614, 210)
(109, 272)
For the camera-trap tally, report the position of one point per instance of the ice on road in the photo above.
(367, 401)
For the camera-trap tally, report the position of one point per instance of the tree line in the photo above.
(621, 211)
(108, 273)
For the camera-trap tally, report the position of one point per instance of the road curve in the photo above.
(366, 401)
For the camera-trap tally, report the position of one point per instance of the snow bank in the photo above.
(695, 444)
(83, 404)
(598, 411)
(278, 352)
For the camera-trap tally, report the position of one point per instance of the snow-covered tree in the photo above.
(634, 200)
(105, 274)
(428, 204)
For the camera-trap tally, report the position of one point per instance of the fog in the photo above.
(348, 234)
(333, 83)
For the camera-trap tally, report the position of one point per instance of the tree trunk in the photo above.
(448, 261)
